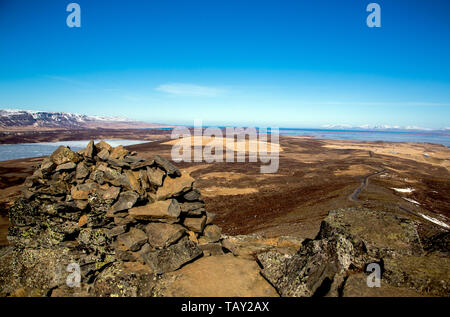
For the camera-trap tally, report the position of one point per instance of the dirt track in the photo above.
(364, 183)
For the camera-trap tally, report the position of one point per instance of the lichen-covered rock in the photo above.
(122, 280)
(349, 240)
(173, 257)
(36, 271)
(64, 155)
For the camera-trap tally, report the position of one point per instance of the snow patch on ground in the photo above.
(404, 190)
(411, 201)
(438, 222)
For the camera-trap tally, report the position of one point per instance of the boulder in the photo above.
(103, 155)
(64, 155)
(212, 233)
(143, 178)
(155, 176)
(110, 192)
(89, 151)
(126, 201)
(117, 230)
(161, 235)
(141, 164)
(47, 166)
(82, 171)
(133, 240)
(173, 257)
(102, 145)
(164, 211)
(195, 224)
(192, 195)
(114, 177)
(174, 186)
(82, 191)
(118, 153)
(118, 163)
(66, 167)
(193, 208)
(171, 169)
(133, 180)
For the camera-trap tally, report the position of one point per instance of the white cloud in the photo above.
(190, 90)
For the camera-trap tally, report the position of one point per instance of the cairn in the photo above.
(114, 206)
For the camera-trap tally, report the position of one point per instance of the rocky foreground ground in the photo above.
(138, 227)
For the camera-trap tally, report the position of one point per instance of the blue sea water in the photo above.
(388, 136)
(17, 151)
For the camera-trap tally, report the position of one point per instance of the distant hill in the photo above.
(16, 120)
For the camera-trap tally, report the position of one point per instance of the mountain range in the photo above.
(11, 119)
(382, 127)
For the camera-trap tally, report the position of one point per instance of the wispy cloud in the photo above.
(190, 90)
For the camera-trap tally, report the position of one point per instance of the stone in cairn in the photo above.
(116, 205)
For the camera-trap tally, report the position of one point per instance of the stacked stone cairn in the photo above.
(112, 205)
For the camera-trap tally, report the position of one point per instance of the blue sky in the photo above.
(230, 62)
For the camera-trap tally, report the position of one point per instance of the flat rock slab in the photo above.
(155, 176)
(249, 246)
(175, 186)
(167, 166)
(217, 276)
(165, 211)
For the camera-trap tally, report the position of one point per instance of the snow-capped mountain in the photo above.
(383, 127)
(11, 119)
